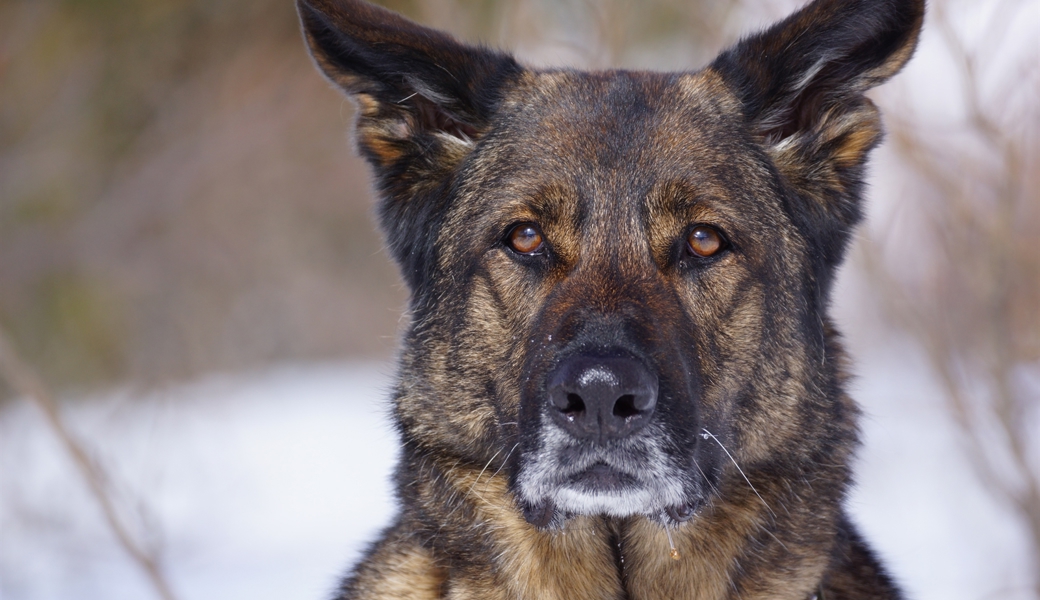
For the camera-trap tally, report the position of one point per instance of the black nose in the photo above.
(600, 399)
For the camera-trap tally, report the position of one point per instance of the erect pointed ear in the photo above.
(423, 97)
(802, 85)
(424, 100)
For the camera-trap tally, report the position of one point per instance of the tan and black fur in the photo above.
(731, 433)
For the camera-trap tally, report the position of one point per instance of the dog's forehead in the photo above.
(613, 119)
(614, 138)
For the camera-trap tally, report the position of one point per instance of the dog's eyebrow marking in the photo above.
(707, 434)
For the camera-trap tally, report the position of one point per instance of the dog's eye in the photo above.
(704, 241)
(526, 238)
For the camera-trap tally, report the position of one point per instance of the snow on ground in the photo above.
(267, 486)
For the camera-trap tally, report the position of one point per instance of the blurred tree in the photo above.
(965, 282)
(169, 203)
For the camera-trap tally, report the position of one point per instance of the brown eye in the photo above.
(526, 239)
(704, 241)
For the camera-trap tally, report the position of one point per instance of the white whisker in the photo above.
(505, 459)
(484, 469)
(712, 435)
(705, 476)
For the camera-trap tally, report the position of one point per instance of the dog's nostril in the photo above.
(599, 398)
(626, 407)
(575, 406)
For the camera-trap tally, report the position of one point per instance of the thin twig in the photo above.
(24, 380)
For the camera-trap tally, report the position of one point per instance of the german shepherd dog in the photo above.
(620, 380)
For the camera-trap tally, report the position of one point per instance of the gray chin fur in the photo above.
(546, 516)
(649, 482)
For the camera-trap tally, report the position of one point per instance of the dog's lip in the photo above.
(680, 513)
(603, 477)
(539, 515)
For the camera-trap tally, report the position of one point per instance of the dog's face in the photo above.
(621, 238)
(618, 279)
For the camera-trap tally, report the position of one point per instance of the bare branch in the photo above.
(973, 311)
(25, 381)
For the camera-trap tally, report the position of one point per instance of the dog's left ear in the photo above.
(802, 85)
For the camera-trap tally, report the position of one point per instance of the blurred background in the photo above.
(197, 316)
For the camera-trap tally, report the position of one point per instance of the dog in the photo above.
(619, 379)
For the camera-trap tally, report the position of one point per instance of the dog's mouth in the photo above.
(544, 514)
(600, 478)
(585, 481)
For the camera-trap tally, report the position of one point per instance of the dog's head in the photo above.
(619, 279)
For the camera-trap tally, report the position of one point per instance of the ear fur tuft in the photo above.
(829, 53)
(416, 87)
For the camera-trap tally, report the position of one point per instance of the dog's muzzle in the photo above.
(600, 449)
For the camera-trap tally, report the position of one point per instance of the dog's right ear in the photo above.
(423, 98)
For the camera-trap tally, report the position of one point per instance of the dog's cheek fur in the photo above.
(465, 404)
(473, 359)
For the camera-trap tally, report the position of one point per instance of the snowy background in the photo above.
(267, 485)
